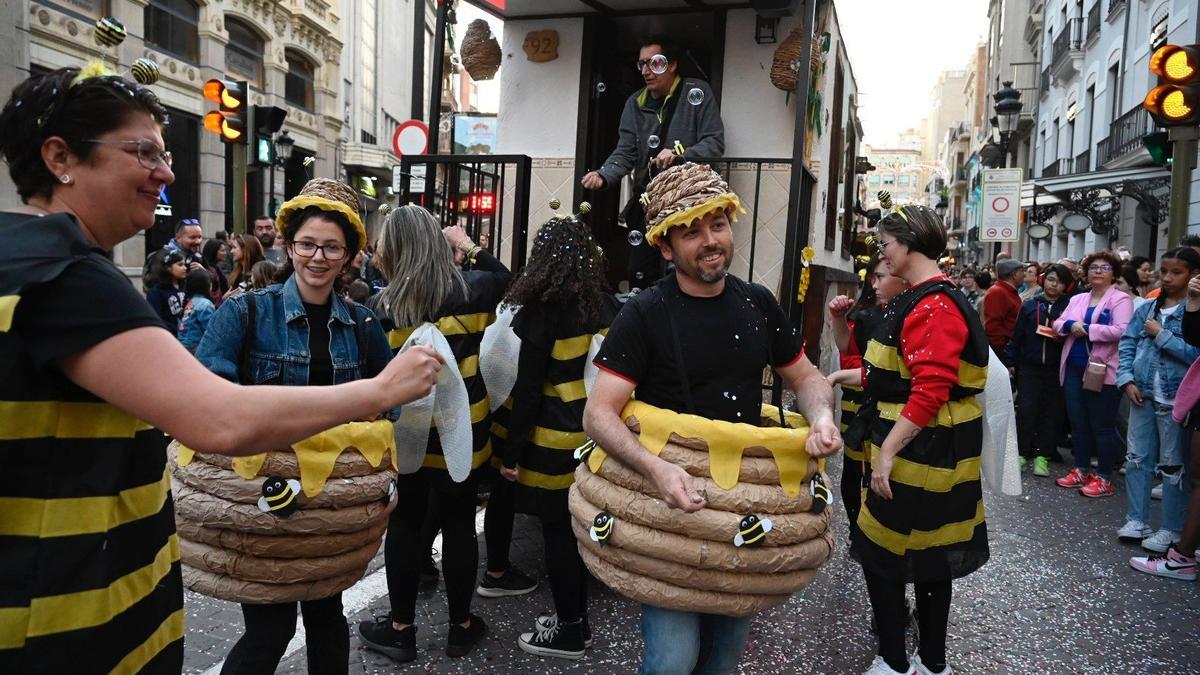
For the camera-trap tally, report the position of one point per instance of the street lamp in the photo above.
(282, 153)
(941, 208)
(1008, 115)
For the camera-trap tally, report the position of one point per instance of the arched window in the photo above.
(298, 85)
(244, 53)
(171, 25)
(1158, 27)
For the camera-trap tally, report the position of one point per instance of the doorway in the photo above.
(610, 77)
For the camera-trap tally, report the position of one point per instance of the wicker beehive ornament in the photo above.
(480, 51)
(786, 65)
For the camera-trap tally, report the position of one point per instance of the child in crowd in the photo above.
(1154, 359)
(198, 310)
(263, 274)
(166, 295)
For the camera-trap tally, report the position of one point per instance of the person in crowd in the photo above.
(1034, 353)
(561, 302)
(189, 237)
(671, 113)
(84, 149)
(1093, 323)
(984, 283)
(268, 237)
(426, 286)
(358, 291)
(685, 345)
(1138, 273)
(853, 323)
(213, 255)
(926, 361)
(1029, 285)
(1153, 360)
(1002, 303)
(967, 285)
(166, 295)
(264, 273)
(320, 340)
(198, 311)
(246, 252)
(1179, 560)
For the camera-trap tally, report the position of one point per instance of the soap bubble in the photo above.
(601, 88)
(658, 64)
(695, 96)
(636, 237)
(652, 141)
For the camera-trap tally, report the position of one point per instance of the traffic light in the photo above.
(1160, 148)
(231, 121)
(1176, 102)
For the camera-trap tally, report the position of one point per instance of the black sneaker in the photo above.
(379, 636)
(512, 582)
(562, 640)
(550, 619)
(461, 640)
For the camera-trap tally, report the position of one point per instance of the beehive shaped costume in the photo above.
(761, 535)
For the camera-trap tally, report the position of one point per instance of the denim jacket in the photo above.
(279, 354)
(1166, 353)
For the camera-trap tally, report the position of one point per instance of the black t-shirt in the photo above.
(726, 342)
(320, 367)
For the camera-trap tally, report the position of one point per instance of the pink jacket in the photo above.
(1105, 338)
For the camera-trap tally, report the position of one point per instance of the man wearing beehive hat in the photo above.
(691, 351)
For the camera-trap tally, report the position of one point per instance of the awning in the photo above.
(1049, 189)
(533, 9)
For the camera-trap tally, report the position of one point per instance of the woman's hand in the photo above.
(509, 474)
(1078, 330)
(881, 471)
(840, 306)
(410, 376)
(1193, 294)
(457, 236)
(1133, 394)
(1152, 327)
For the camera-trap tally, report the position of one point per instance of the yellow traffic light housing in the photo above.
(231, 122)
(1177, 101)
(1176, 64)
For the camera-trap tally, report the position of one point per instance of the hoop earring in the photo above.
(65, 178)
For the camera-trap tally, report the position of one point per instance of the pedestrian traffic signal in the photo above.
(1160, 148)
(231, 121)
(1176, 102)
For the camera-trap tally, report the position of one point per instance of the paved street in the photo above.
(1057, 597)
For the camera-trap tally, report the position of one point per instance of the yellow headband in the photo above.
(304, 201)
(727, 202)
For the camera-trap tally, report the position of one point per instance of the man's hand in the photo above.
(663, 159)
(1133, 394)
(410, 376)
(592, 180)
(677, 487)
(824, 439)
(840, 306)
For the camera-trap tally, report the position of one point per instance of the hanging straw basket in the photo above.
(785, 67)
(480, 51)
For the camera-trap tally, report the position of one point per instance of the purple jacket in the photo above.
(1105, 337)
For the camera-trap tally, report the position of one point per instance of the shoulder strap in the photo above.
(664, 127)
(248, 337)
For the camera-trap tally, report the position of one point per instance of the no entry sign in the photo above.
(1000, 217)
(411, 138)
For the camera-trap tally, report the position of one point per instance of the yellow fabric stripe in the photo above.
(469, 367)
(933, 479)
(24, 420)
(567, 391)
(435, 461)
(557, 440)
(573, 348)
(537, 479)
(86, 609)
(167, 632)
(461, 324)
(8, 306)
(480, 410)
(971, 375)
(888, 358)
(850, 406)
(855, 455)
(899, 544)
(950, 414)
(65, 517)
(398, 336)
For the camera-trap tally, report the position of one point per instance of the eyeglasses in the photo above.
(1100, 267)
(881, 245)
(148, 153)
(657, 63)
(308, 249)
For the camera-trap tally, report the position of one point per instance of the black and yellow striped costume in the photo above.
(933, 529)
(89, 559)
(854, 464)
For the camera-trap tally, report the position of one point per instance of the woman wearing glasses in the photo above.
(1093, 323)
(922, 520)
(90, 381)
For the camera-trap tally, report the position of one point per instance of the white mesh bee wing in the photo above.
(590, 371)
(447, 404)
(998, 456)
(498, 355)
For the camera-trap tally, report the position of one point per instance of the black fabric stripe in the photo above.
(938, 447)
(549, 461)
(52, 468)
(912, 508)
(168, 662)
(935, 564)
(31, 567)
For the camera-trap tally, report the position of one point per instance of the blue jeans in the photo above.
(678, 643)
(1093, 418)
(1156, 441)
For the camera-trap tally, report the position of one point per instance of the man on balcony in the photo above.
(671, 114)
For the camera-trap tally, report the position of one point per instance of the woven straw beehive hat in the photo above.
(684, 193)
(328, 195)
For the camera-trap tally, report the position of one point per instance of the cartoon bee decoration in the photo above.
(602, 527)
(582, 452)
(752, 530)
(822, 497)
(279, 496)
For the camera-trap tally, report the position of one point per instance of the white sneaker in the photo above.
(915, 661)
(880, 667)
(1160, 540)
(1156, 492)
(1134, 530)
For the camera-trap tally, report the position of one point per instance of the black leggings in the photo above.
(933, 612)
(269, 629)
(498, 522)
(568, 575)
(453, 512)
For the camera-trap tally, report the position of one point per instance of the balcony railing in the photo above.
(366, 137)
(1067, 40)
(1114, 6)
(1055, 168)
(1083, 162)
(1045, 85)
(1125, 135)
(1093, 21)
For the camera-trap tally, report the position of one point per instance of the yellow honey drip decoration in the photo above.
(318, 453)
(726, 442)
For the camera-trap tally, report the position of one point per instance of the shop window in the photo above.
(172, 26)
(244, 53)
